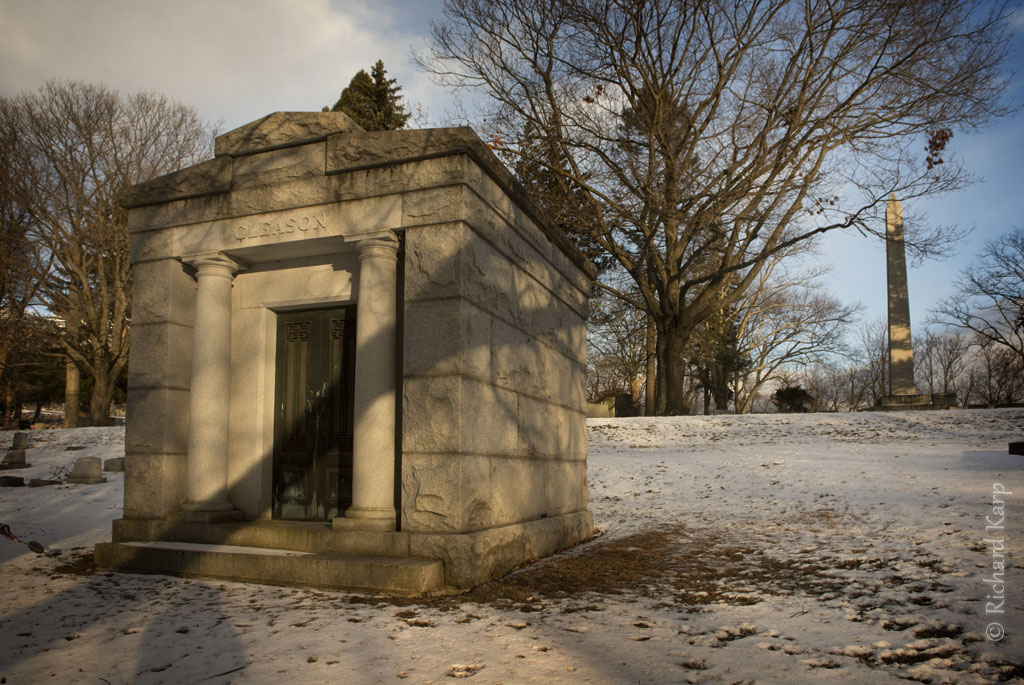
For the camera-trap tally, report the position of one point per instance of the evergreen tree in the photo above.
(792, 398)
(373, 101)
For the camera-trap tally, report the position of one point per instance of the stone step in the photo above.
(398, 575)
(298, 536)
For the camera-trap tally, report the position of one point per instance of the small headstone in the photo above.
(41, 482)
(1017, 448)
(14, 459)
(20, 441)
(11, 481)
(87, 471)
(114, 464)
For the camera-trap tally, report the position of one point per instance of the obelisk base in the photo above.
(915, 402)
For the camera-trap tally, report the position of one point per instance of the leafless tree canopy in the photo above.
(988, 298)
(786, 320)
(703, 137)
(76, 146)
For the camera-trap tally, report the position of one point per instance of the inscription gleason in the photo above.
(306, 222)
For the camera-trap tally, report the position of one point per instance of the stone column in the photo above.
(373, 440)
(207, 485)
(901, 352)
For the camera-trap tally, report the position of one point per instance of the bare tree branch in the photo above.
(705, 138)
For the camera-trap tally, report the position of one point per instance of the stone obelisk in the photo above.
(901, 352)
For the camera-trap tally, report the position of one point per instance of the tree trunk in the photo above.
(652, 360)
(72, 384)
(9, 409)
(634, 395)
(722, 403)
(660, 378)
(102, 396)
(671, 372)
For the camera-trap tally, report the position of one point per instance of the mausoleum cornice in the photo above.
(324, 157)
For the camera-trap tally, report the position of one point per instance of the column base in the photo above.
(365, 519)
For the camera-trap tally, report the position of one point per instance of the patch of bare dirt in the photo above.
(75, 564)
(676, 565)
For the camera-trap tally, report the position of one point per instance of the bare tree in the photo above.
(76, 147)
(17, 287)
(997, 375)
(926, 361)
(951, 360)
(703, 138)
(786, 319)
(819, 381)
(940, 360)
(617, 354)
(988, 298)
(874, 357)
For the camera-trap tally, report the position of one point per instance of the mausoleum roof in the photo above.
(348, 148)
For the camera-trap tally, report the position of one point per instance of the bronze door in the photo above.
(313, 414)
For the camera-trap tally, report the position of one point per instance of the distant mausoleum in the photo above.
(357, 362)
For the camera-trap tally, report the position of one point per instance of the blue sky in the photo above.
(990, 208)
(237, 60)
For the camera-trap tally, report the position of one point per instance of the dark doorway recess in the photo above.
(313, 413)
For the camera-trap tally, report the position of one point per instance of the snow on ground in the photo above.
(767, 548)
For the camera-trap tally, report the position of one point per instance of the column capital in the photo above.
(383, 247)
(212, 261)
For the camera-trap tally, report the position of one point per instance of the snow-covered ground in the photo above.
(767, 548)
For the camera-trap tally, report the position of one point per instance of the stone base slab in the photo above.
(298, 536)
(14, 459)
(1017, 448)
(273, 567)
(474, 558)
(370, 524)
(84, 480)
(468, 559)
(198, 516)
(915, 402)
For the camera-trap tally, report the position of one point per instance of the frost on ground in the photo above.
(769, 548)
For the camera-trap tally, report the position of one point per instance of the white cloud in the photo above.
(231, 59)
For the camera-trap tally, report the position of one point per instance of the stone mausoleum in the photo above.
(357, 362)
